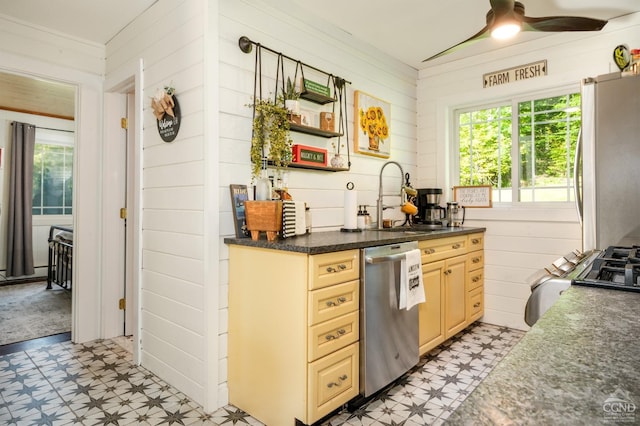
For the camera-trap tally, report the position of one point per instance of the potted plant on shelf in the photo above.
(291, 100)
(270, 144)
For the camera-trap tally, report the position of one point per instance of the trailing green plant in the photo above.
(289, 92)
(271, 136)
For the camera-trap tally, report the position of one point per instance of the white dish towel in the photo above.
(411, 284)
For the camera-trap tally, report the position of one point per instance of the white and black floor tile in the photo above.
(96, 384)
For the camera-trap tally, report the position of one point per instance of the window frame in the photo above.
(56, 137)
(514, 102)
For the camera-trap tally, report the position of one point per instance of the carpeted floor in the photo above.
(29, 311)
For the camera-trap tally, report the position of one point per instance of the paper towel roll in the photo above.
(350, 209)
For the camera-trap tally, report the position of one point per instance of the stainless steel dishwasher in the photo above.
(388, 335)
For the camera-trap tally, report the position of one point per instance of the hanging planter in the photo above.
(271, 140)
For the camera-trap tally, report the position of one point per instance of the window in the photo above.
(539, 168)
(52, 173)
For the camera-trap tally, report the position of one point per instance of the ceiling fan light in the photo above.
(505, 31)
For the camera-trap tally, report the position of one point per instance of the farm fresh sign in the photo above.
(522, 72)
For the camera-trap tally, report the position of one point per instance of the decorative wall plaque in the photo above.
(167, 112)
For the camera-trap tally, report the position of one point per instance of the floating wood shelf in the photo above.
(313, 131)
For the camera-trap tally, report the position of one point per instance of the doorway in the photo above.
(50, 106)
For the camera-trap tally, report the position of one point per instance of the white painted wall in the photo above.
(519, 239)
(170, 40)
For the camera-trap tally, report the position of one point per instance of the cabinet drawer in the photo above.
(442, 248)
(331, 302)
(476, 241)
(475, 260)
(476, 279)
(333, 268)
(332, 335)
(333, 381)
(475, 305)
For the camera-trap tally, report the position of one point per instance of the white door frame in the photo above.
(128, 90)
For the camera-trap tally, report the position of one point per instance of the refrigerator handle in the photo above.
(577, 176)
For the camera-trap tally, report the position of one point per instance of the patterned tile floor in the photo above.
(96, 384)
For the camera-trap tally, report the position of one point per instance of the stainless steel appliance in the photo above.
(548, 283)
(430, 213)
(615, 268)
(608, 196)
(388, 335)
(455, 214)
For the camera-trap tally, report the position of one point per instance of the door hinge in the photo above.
(122, 304)
(124, 123)
(123, 213)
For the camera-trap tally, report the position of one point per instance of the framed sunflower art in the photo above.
(373, 116)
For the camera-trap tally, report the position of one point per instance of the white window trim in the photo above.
(454, 172)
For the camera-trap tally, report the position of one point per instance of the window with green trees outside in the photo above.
(535, 165)
(52, 175)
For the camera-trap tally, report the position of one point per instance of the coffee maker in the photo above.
(429, 211)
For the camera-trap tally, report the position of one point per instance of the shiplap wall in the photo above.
(169, 38)
(519, 239)
(331, 50)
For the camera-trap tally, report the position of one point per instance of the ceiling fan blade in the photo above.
(562, 23)
(483, 33)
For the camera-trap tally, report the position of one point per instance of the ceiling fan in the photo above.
(506, 18)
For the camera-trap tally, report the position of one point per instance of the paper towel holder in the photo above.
(350, 187)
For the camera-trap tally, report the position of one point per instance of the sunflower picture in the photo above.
(372, 127)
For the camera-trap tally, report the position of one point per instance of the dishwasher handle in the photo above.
(389, 258)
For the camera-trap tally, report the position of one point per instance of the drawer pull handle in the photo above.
(429, 251)
(341, 267)
(475, 279)
(476, 305)
(339, 333)
(475, 241)
(341, 300)
(475, 260)
(342, 379)
(456, 246)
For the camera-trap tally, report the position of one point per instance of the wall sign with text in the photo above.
(166, 109)
(511, 75)
(473, 196)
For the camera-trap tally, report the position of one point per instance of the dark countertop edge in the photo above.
(331, 241)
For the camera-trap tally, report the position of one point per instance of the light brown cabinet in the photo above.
(453, 279)
(293, 333)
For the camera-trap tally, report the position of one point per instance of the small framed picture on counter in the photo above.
(239, 195)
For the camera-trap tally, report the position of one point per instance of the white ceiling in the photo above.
(409, 30)
(93, 20)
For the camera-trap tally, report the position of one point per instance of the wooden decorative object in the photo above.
(263, 216)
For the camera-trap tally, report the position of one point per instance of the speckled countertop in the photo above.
(325, 242)
(578, 365)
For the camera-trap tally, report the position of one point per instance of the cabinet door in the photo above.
(455, 295)
(430, 312)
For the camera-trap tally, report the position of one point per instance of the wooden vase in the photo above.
(263, 216)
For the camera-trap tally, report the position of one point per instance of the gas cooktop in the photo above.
(616, 268)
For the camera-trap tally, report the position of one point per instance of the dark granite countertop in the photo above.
(578, 365)
(325, 242)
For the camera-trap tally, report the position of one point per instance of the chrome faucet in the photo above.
(380, 206)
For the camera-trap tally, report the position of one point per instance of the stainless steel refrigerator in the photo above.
(609, 199)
